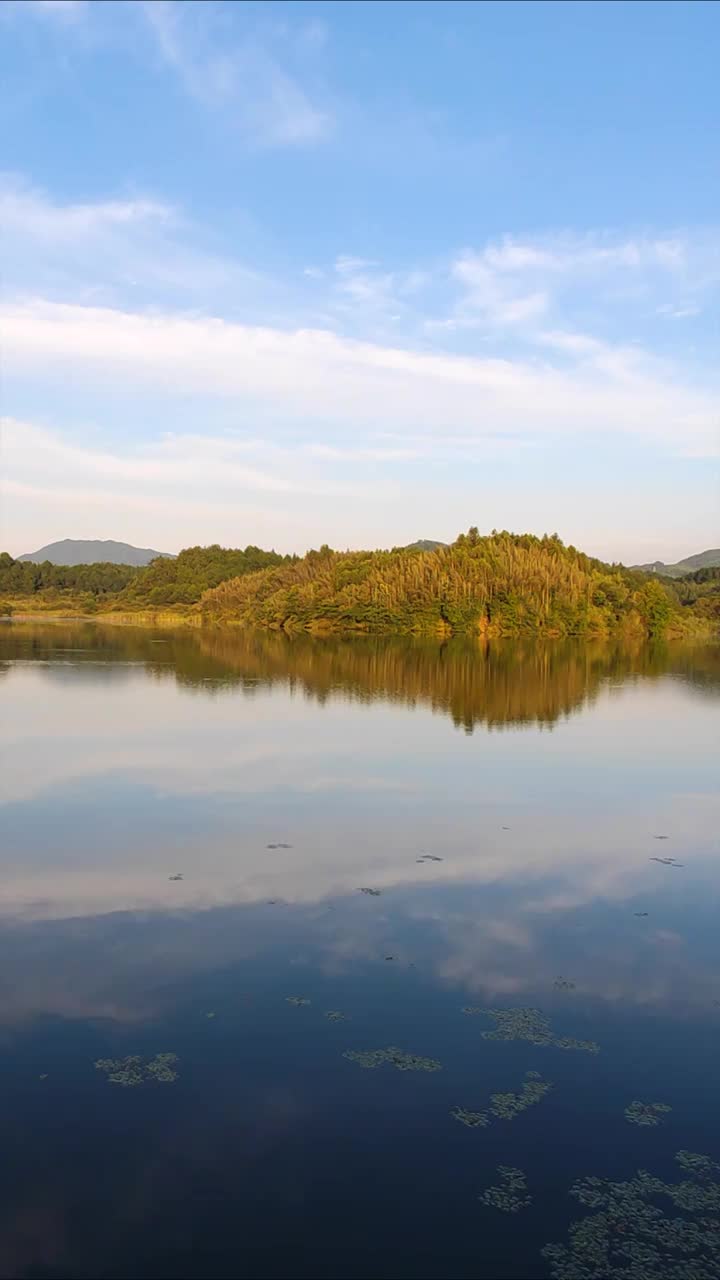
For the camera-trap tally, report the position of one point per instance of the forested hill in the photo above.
(179, 581)
(505, 584)
(195, 570)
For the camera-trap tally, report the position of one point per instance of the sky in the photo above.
(360, 273)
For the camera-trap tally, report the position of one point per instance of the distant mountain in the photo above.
(703, 560)
(424, 544)
(89, 551)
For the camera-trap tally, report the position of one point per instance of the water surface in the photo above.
(541, 777)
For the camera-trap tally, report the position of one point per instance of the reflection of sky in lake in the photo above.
(116, 777)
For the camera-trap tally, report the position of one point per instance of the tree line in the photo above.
(503, 584)
(168, 582)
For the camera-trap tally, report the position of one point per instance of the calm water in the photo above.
(541, 777)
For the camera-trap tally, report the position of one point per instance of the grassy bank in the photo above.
(34, 610)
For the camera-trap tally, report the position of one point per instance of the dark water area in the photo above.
(278, 778)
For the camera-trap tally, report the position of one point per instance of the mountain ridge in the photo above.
(74, 551)
(703, 560)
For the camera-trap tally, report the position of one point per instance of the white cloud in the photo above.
(512, 282)
(677, 312)
(111, 249)
(583, 254)
(25, 210)
(487, 292)
(312, 374)
(245, 81)
(236, 487)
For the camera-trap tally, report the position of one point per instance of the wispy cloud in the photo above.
(514, 282)
(25, 210)
(109, 250)
(358, 385)
(244, 79)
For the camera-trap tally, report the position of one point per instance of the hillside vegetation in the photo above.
(171, 583)
(501, 585)
(26, 578)
(505, 584)
(195, 570)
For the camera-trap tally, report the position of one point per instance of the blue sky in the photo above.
(361, 272)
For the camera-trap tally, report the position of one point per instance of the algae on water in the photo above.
(646, 1113)
(134, 1070)
(528, 1024)
(507, 1195)
(633, 1232)
(372, 1058)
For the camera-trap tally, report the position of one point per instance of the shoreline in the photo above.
(141, 619)
(197, 622)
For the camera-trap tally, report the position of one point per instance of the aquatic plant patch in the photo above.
(134, 1070)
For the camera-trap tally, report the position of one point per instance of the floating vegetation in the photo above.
(563, 984)
(471, 1009)
(473, 1119)
(508, 1105)
(372, 1058)
(429, 857)
(279, 845)
(298, 1001)
(668, 862)
(505, 1106)
(529, 1024)
(133, 1070)
(177, 877)
(373, 893)
(161, 1068)
(629, 1236)
(334, 1015)
(367, 1058)
(646, 1113)
(698, 1166)
(507, 1195)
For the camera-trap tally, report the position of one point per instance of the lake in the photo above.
(189, 821)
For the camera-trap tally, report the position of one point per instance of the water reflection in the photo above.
(121, 793)
(189, 819)
(472, 681)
